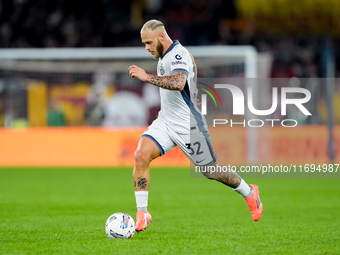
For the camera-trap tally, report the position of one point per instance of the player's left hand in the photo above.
(136, 71)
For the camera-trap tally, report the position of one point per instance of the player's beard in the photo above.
(159, 49)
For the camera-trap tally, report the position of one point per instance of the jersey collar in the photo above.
(176, 42)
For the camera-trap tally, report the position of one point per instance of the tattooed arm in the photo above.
(176, 81)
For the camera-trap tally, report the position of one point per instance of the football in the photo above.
(120, 225)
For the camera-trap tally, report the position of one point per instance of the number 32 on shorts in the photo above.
(195, 149)
(200, 153)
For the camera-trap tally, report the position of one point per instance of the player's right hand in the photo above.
(136, 71)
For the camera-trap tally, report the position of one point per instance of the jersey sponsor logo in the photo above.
(178, 57)
(179, 63)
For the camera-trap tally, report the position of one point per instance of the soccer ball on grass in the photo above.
(120, 225)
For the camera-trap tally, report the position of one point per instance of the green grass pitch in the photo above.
(63, 211)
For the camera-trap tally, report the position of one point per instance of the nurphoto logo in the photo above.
(238, 104)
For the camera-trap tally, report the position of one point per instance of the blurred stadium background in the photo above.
(71, 118)
(87, 111)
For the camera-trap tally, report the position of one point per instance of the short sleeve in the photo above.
(180, 62)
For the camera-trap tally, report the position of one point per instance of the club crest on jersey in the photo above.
(178, 57)
(161, 70)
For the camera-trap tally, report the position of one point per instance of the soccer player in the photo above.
(179, 122)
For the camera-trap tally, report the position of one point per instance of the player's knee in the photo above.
(141, 158)
(209, 175)
(209, 172)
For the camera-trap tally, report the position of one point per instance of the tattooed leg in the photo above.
(142, 183)
(229, 178)
(146, 151)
